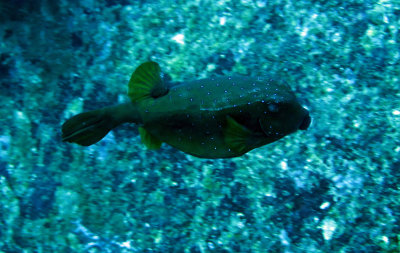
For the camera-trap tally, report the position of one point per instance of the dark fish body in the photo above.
(212, 118)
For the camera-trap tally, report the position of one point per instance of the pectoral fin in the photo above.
(236, 136)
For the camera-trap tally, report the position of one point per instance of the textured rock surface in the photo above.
(334, 188)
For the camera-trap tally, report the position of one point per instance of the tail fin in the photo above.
(87, 128)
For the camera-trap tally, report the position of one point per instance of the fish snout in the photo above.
(306, 121)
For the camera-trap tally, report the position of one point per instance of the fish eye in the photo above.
(273, 107)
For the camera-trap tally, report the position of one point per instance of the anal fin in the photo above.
(148, 139)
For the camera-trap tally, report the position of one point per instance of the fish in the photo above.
(219, 117)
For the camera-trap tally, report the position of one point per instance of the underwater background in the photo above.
(332, 188)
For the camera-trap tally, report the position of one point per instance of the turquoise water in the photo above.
(332, 188)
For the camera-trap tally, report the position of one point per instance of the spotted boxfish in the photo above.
(218, 117)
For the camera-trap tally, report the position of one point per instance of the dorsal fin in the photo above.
(146, 82)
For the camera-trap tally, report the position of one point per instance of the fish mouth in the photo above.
(306, 122)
